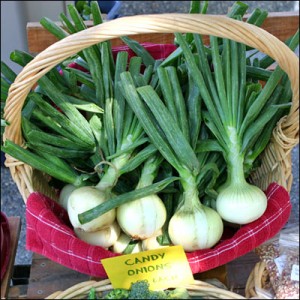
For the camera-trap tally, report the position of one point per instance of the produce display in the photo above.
(280, 256)
(145, 153)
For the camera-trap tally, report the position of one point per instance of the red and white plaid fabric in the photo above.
(157, 51)
(50, 234)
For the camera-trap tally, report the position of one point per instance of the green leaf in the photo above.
(147, 120)
(53, 28)
(7, 72)
(208, 145)
(40, 163)
(174, 135)
(139, 50)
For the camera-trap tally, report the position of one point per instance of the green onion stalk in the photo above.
(236, 119)
(52, 137)
(193, 225)
(66, 137)
(121, 143)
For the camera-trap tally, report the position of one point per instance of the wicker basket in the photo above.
(197, 289)
(258, 281)
(276, 159)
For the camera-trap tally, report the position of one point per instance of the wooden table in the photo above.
(280, 24)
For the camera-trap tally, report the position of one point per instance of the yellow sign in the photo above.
(163, 268)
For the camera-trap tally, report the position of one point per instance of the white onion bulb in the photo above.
(104, 238)
(122, 242)
(152, 243)
(86, 198)
(142, 218)
(241, 204)
(65, 194)
(195, 228)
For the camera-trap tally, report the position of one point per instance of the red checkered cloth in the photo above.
(50, 234)
(157, 51)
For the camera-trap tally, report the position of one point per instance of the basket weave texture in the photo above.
(197, 289)
(276, 159)
(258, 279)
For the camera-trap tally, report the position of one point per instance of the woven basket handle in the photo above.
(220, 26)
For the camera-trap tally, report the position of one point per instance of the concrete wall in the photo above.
(35, 10)
(14, 17)
(13, 30)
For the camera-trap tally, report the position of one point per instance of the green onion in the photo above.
(238, 201)
(173, 146)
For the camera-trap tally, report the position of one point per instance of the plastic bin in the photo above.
(111, 8)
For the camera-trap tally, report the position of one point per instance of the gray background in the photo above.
(11, 201)
(215, 7)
